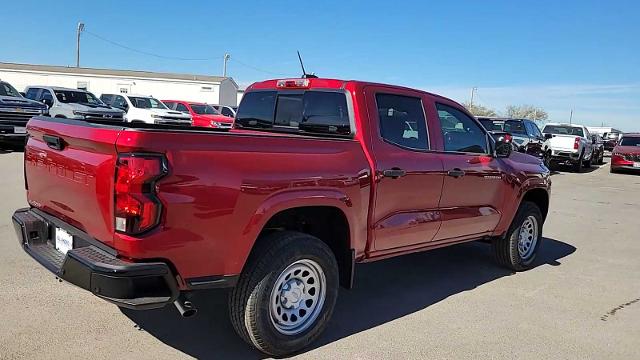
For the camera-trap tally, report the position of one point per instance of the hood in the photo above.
(93, 108)
(11, 101)
(171, 113)
(627, 149)
(210, 117)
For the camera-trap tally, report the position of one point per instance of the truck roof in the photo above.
(564, 124)
(54, 88)
(326, 83)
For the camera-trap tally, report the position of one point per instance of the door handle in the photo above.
(53, 142)
(394, 173)
(456, 173)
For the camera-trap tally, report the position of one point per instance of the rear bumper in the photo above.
(564, 156)
(94, 267)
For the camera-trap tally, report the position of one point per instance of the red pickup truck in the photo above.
(315, 176)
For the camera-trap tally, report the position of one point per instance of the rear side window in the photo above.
(402, 121)
(107, 99)
(318, 112)
(515, 127)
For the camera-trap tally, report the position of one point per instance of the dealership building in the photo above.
(201, 88)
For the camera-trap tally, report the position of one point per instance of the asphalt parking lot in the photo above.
(582, 301)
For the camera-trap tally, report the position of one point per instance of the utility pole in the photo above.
(224, 67)
(80, 29)
(571, 117)
(535, 114)
(473, 91)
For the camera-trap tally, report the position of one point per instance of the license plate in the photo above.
(64, 240)
(19, 130)
(636, 164)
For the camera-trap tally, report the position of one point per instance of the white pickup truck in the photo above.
(147, 109)
(567, 144)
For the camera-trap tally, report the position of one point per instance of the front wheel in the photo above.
(286, 294)
(517, 250)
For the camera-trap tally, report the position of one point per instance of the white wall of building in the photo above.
(239, 95)
(209, 92)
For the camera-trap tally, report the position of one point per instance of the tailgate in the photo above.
(563, 142)
(69, 172)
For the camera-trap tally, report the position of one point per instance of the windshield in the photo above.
(77, 97)
(515, 127)
(492, 125)
(204, 109)
(8, 90)
(630, 141)
(563, 130)
(146, 103)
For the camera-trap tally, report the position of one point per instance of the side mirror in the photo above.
(548, 136)
(47, 102)
(503, 148)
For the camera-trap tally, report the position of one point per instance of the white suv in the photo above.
(146, 109)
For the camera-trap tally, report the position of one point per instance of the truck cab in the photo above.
(146, 109)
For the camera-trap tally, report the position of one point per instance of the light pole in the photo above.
(473, 91)
(224, 66)
(80, 29)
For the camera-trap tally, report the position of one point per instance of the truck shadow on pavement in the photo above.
(384, 291)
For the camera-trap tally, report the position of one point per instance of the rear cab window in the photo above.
(316, 111)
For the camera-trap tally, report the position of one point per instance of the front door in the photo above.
(408, 175)
(473, 182)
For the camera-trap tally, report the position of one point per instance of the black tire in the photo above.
(577, 167)
(587, 164)
(546, 159)
(249, 301)
(506, 249)
(601, 159)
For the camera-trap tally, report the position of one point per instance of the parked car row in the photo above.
(16, 108)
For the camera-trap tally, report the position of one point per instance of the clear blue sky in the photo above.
(555, 54)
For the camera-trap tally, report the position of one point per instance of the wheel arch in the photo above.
(326, 215)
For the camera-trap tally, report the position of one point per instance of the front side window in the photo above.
(535, 131)
(402, 121)
(120, 102)
(7, 90)
(146, 103)
(227, 112)
(460, 132)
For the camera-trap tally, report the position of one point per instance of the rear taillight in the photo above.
(576, 143)
(137, 208)
(508, 138)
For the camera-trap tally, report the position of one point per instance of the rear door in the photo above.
(70, 169)
(473, 181)
(408, 174)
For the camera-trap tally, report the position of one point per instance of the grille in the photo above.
(632, 157)
(17, 117)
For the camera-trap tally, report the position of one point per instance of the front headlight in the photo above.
(156, 116)
(76, 112)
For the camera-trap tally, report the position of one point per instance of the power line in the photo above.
(146, 52)
(159, 56)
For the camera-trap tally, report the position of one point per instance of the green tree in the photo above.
(479, 110)
(526, 112)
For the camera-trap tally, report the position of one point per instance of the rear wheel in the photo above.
(286, 294)
(577, 167)
(517, 250)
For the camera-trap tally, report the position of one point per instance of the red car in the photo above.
(204, 115)
(316, 176)
(626, 154)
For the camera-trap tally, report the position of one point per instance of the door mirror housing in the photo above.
(503, 148)
(47, 102)
(548, 136)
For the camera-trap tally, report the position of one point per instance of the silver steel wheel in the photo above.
(297, 297)
(527, 237)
